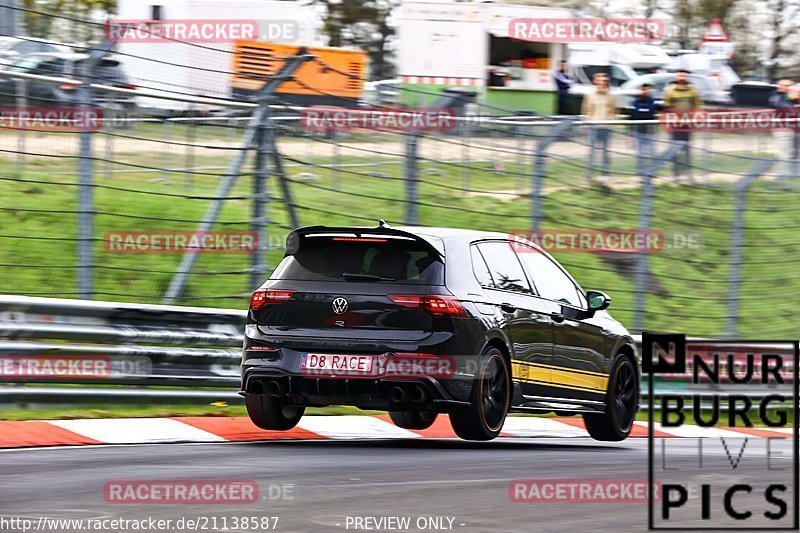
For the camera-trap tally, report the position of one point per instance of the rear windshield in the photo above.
(363, 260)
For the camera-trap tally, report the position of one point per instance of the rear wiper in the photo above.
(353, 276)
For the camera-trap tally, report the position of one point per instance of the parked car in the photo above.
(381, 93)
(421, 321)
(658, 82)
(12, 48)
(61, 65)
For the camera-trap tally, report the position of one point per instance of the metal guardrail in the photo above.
(141, 353)
(121, 350)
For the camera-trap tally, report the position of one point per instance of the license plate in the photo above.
(337, 363)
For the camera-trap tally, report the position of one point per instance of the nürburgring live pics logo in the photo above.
(723, 479)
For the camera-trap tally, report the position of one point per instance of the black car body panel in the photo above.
(427, 293)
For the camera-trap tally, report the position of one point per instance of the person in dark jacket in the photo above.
(643, 108)
(563, 84)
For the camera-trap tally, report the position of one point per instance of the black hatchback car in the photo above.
(421, 321)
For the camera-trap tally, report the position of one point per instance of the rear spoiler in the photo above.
(294, 237)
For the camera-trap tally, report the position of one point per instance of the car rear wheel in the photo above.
(490, 399)
(269, 412)
(413, 419)
(623, 396)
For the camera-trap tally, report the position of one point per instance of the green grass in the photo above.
(688, 293)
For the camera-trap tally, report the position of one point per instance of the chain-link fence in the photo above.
(705, 243)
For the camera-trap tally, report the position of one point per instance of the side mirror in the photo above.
(597, 300)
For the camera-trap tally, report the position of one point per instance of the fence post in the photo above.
(558, 132)
(737, 243)
(85, 209)
(645, 215)
(21, 101)
(412, 177)
(188, 174)
(261, 115)
(466, 168)
(259, 223)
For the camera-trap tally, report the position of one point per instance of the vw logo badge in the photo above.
(340, 306)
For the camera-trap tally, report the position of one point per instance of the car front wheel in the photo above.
(622, 402)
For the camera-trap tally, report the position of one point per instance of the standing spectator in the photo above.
(644, 108)
(781, 101)
(563, 83)
(681, 97)
(599, 105)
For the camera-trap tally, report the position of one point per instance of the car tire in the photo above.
(413, 419)
(489, 400)
(269, 412)
(622, 402)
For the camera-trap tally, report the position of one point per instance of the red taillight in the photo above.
(264, 297)
(259, 348)
(358, 239)
(127, 86)
(433, 303)
(69, 86)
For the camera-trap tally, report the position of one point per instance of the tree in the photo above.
(62, 20)
(362, 24)
(782, 26)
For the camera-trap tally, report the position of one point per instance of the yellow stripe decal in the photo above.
(558, 377)
(548, 384)
(577, 370)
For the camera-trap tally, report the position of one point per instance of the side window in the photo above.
(479, 268)
(50, 68)
(618, 77)
(504, 266)
(26, 47)
(550, 281)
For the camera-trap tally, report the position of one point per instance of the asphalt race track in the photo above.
(332, 480)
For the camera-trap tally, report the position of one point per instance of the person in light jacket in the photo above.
(599, 105)
(682, 97)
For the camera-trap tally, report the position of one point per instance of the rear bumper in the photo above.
(278, 373)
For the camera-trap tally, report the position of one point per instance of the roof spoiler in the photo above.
(293, 239)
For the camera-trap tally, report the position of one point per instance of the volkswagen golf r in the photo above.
(422, 321)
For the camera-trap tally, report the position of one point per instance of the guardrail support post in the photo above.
(261, 116)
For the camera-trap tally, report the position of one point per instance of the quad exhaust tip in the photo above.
(396, 394)
(416, 394)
